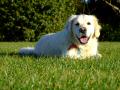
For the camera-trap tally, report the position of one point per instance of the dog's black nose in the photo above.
(82, 30)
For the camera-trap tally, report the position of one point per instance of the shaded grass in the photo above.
(31, 73)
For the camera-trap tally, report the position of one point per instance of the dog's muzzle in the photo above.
(82, 30)
(83, 39)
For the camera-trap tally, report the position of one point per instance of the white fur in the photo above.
(57, 44)
(27, 51)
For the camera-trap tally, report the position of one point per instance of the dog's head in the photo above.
(83, 27)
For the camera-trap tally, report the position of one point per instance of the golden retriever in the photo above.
(78, 39)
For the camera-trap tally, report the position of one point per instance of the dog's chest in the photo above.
(87, 51)
(73, 51)
(79, 52)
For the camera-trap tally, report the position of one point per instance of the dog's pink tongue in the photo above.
(83, 39)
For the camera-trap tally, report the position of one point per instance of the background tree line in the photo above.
(28, 20)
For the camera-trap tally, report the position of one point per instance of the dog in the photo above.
(78, 40)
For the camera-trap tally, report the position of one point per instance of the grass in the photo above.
(48, 73)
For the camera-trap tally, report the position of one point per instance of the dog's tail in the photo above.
(27, 51)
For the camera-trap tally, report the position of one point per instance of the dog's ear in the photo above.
(97, 27)
(69, 22)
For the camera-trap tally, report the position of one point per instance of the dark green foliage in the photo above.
(109, 18)
(29, 19)
(109, 33)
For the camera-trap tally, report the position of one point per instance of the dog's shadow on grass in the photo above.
(8, 54)
(16, 54)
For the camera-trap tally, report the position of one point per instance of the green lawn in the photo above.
(47, 73)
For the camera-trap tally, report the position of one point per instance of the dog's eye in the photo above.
(77, 24)
(88, 23)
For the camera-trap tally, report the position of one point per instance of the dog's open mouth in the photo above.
(83, 39)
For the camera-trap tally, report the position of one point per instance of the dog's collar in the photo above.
(72, 46)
